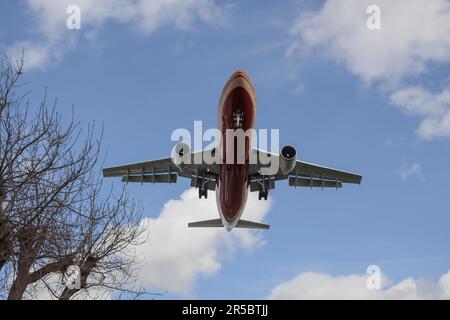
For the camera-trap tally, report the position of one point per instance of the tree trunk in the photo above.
(20, 283)
(5, 231)
(68, 293)
(5, 241)
(27, 238)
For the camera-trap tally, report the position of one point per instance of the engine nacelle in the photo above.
(181, 154)
(288, 157)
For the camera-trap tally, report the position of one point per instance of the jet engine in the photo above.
(181, 154)
(288, 157)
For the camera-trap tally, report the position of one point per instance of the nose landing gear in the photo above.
(238, 117)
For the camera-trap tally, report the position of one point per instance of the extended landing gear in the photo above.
(200, 183)
(263, 194)
(202, 192)
(265, 185)
(238, 118)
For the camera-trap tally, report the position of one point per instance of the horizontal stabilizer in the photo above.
(217, 223)
(251, 225)
(214, 223)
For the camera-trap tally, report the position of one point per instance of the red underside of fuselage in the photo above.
(233, 179)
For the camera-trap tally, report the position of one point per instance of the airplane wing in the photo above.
(165, 171)
(304, 174)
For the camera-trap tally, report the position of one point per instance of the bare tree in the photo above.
(53, 212)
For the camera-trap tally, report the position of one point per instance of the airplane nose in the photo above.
(243, 76)
(241, 73)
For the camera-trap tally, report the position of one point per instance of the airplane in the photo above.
(233, 181)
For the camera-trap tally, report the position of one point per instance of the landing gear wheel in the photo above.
(202, 192)
(263, 194)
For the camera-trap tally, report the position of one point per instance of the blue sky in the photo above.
(141, 84)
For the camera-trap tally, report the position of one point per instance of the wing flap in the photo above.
(314, 183)
(316, 171)
(147, 167)
(302, 169)
(163, 166)
(158, 178)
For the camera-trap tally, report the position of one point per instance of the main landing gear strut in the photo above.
(264, 191)
(201, 183)
(202, 191)
(263, 194)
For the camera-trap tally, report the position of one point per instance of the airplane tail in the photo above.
(206, 224)
(252, 225)
(217, 223)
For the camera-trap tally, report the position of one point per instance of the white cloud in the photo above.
(175, 256)
(37, 55)
(433, 108)
(40, 290)
(311, 285)
(414, 169)
(147, 16)
(413, 33)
